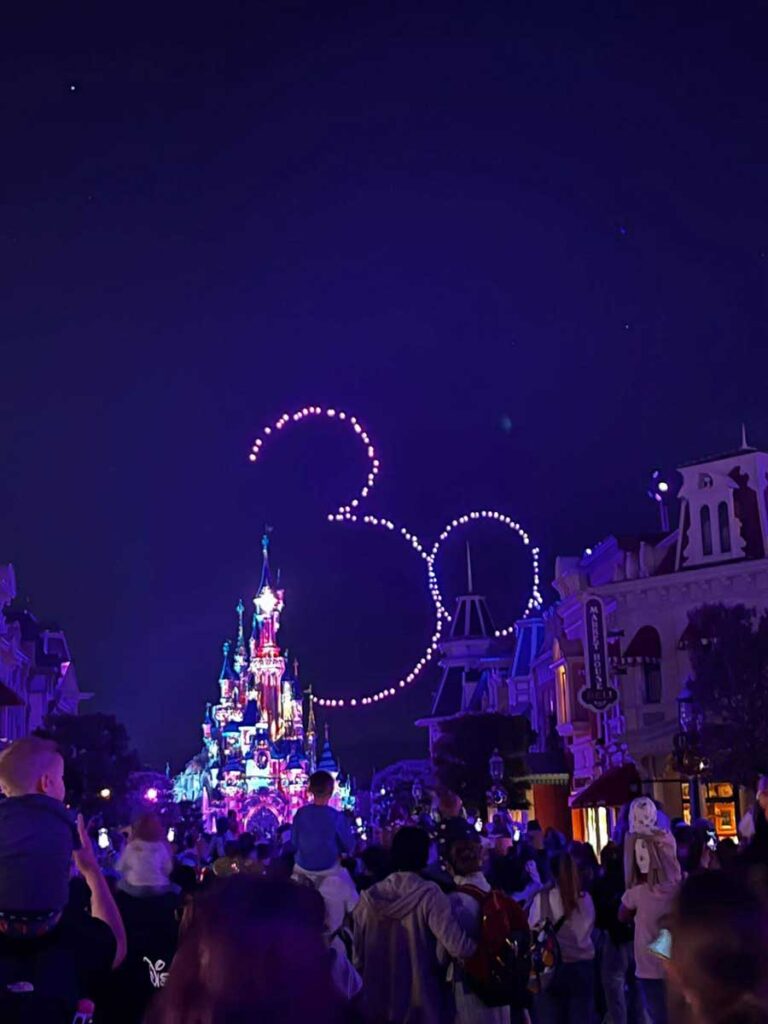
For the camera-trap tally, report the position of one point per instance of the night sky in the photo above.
(527, 244)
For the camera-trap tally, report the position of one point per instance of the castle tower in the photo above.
(267, 664)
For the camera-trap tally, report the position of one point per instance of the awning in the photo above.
(613, 788)
(645, 645)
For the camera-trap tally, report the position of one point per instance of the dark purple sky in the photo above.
(527, 244)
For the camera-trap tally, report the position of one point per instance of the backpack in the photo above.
(498, 970)
(545, 949)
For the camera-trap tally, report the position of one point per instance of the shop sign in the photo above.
(598, 694)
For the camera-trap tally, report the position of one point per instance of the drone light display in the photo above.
(352, 512)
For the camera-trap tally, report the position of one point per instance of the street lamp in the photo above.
(497, 794)
(659, 492)
(688, 756)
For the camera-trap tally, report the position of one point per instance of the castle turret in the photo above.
(328, 762)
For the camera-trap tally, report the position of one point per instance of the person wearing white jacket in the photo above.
(399, 924)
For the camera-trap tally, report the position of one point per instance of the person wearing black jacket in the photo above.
(617, 962)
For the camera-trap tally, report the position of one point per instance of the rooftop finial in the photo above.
(265, 574)
(745, 446)
(470, 587)
(265, 540)
(240, 609)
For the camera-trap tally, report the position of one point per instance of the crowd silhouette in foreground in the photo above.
(437, 926)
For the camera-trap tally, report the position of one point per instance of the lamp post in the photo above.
(659, 492)
(688, 756)
(497, 794)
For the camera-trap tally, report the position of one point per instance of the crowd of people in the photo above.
(438, 926)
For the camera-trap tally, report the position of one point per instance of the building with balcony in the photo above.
(716, 553)
(37, 676)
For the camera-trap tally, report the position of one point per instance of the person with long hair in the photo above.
(652, 873)
(718, 971)
(569, 998)
(252, 949)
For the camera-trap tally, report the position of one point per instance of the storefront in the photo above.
(720, 804)
(595, 808)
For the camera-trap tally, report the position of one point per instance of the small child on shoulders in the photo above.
(146, 863)
(321, 836)
(37, 838)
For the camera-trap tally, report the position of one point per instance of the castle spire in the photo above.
(226, 667)
(310, 733)
(241, 651)
(745, 445)
(328, 762)
(266, 576)
(240, 609)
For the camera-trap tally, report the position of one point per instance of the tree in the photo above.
(98, 759)
(728, 648)
(464, 747)
(392, 791)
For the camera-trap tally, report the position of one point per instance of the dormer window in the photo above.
(705, 481)
(706, 530)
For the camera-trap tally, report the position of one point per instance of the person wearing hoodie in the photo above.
(652, 873)
(399, 924)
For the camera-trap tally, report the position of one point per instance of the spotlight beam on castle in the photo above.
(351, 512)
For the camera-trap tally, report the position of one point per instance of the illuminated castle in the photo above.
(257, 754)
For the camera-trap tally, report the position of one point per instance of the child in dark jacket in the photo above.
(37, 838)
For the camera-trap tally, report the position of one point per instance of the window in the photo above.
(652, 682)
(724, 527)
(563, 703)
(706, 530)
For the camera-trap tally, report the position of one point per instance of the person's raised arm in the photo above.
(627, 907)
(344, 834)
(446, 928)
(103, 906)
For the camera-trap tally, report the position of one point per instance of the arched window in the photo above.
(706, 530)
(724, 527)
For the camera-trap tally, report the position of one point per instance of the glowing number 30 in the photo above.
(351, 513)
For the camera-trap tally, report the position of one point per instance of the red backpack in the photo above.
(498, 970)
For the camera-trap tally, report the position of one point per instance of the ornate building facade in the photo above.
(37, 675)
(717, 553)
